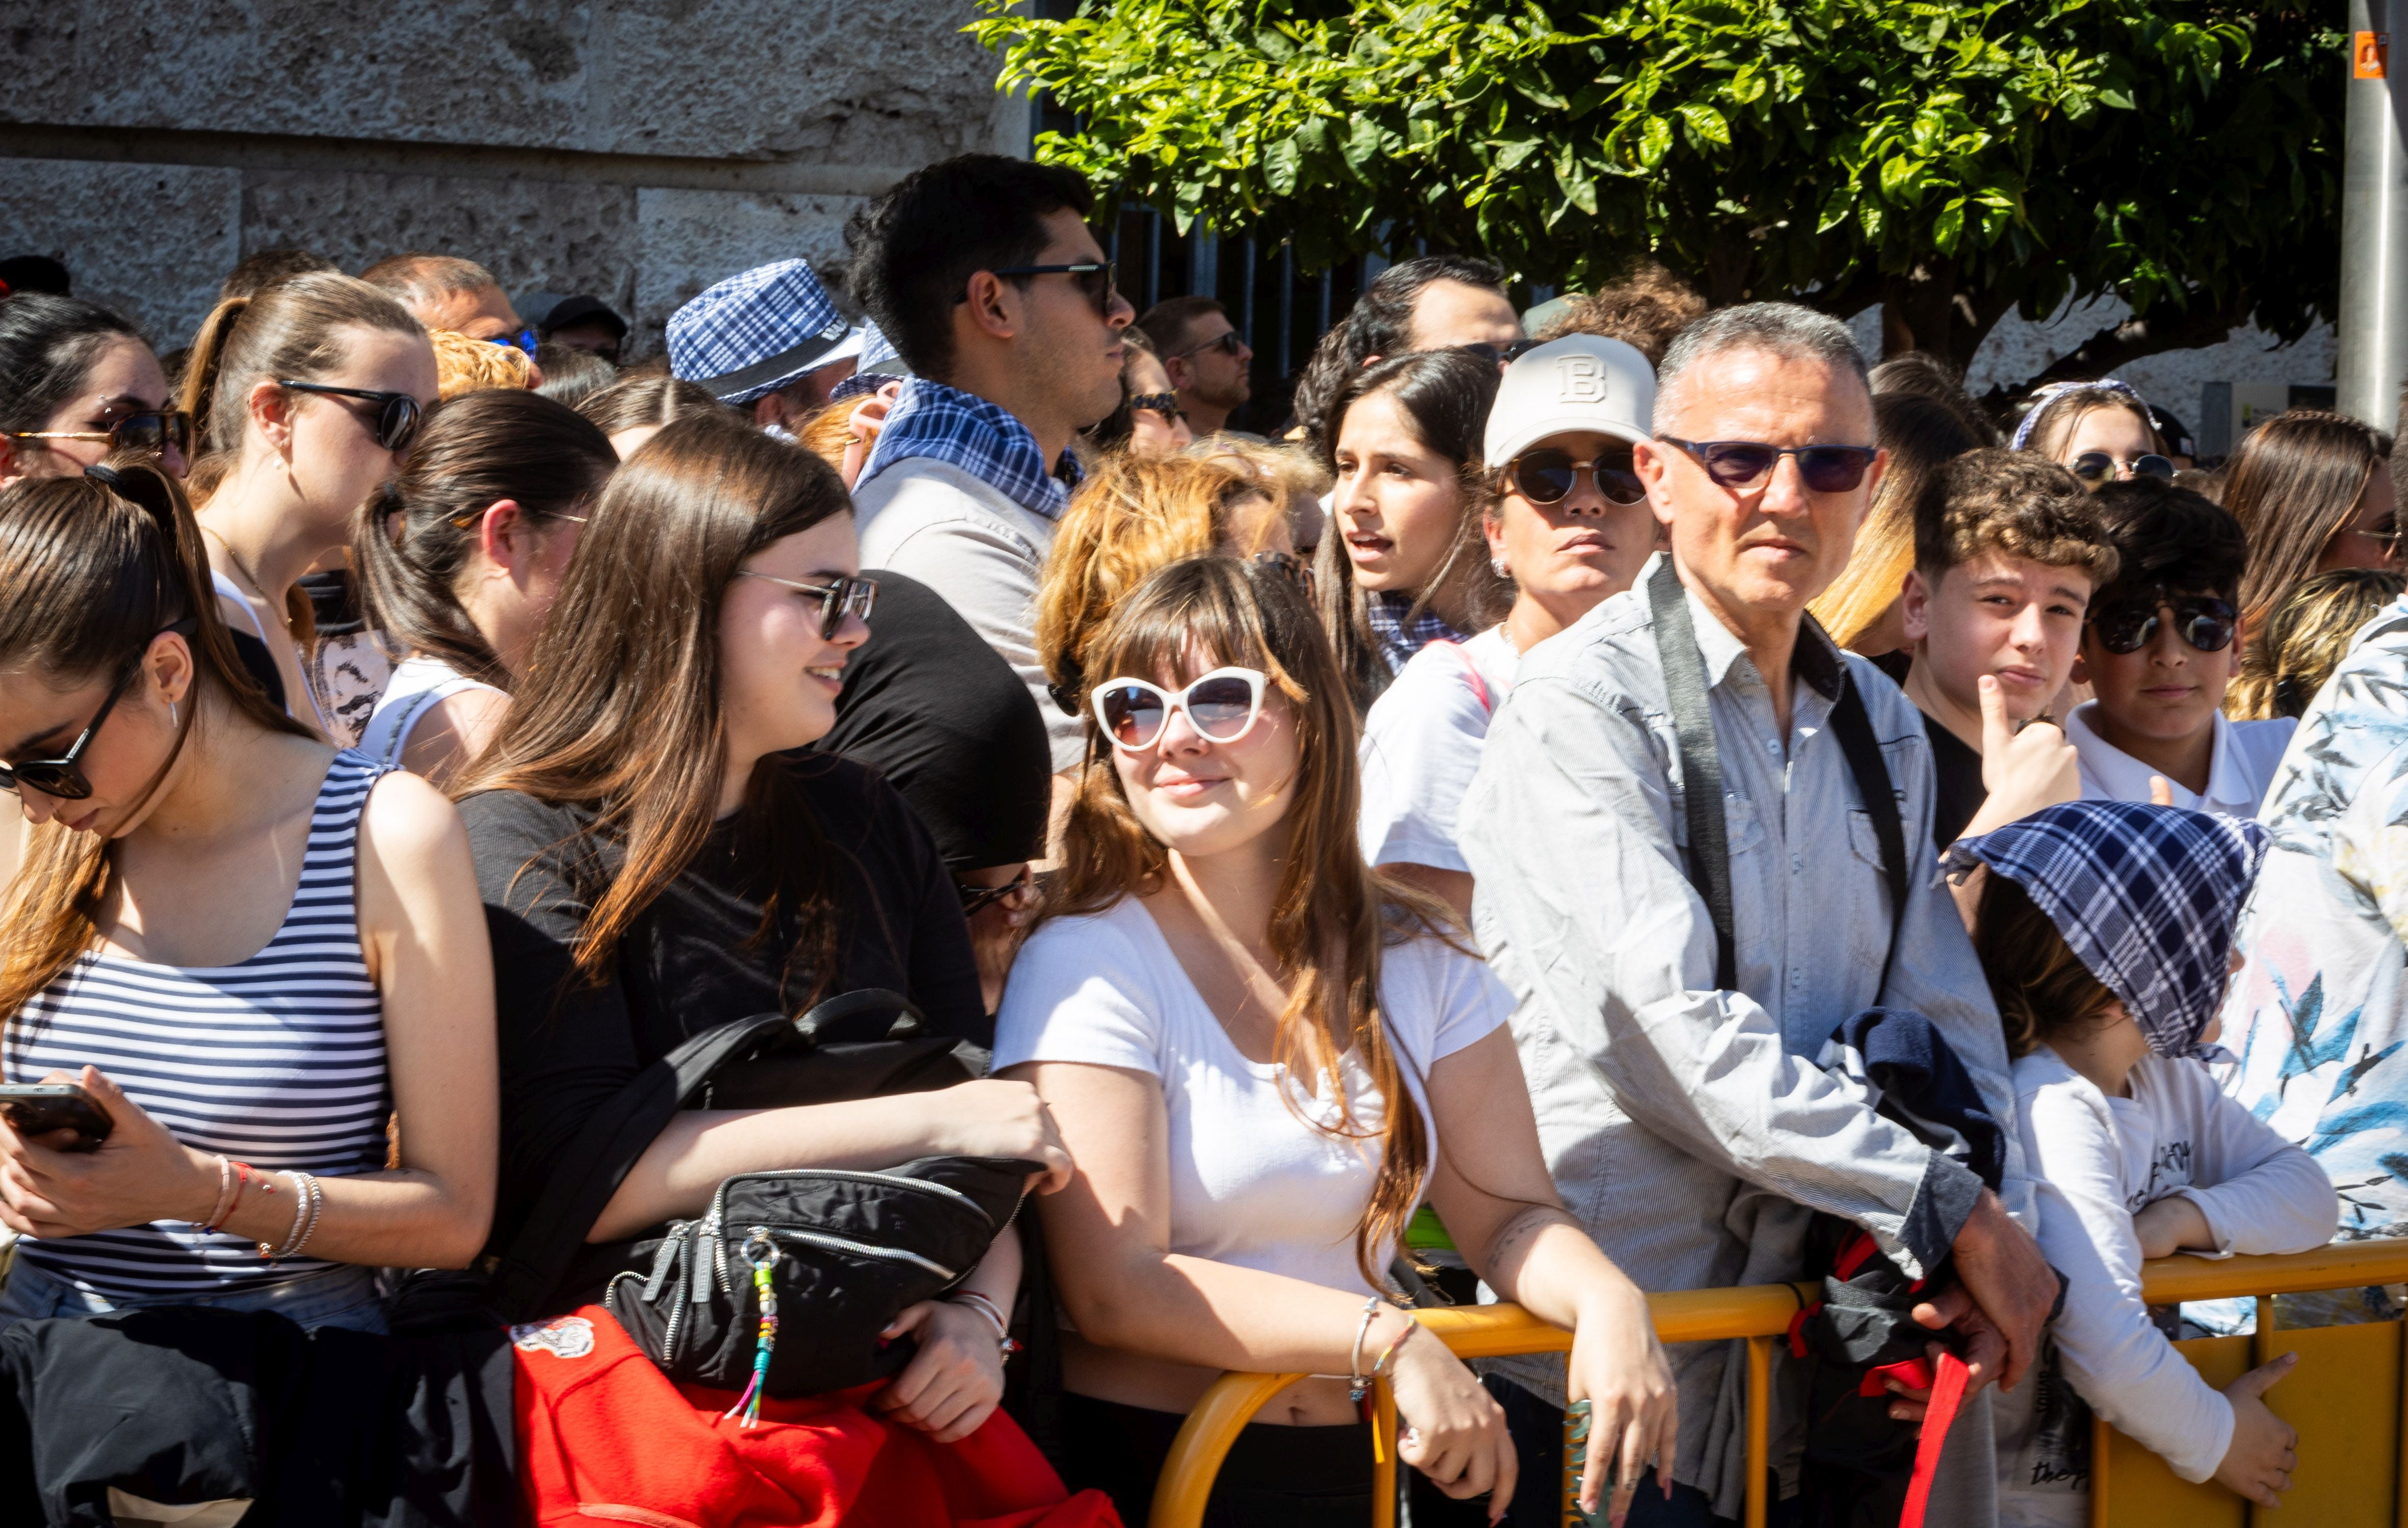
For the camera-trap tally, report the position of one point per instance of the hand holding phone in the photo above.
(34, 1109)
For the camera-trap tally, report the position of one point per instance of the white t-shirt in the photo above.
(1421, 747)
(2238, 772)
(1251, 1184)
(2097, 1162)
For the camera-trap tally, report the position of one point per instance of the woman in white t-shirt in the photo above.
(1213, 939)
(459, 558)
(1566, 519)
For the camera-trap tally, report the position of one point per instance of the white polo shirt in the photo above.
(2239, 770)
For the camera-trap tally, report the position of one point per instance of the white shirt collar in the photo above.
(2110, 774)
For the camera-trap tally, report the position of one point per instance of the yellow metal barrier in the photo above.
(2358, 1396)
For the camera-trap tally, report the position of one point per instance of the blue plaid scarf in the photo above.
(1386, 610)
(981, 438)
(2145, 897)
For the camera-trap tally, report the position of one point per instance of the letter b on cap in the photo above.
(1583, 379)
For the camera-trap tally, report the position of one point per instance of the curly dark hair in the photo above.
(2014, 503)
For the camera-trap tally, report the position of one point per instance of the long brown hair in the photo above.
(413, 534)
(2303, 639)
(1333, 915)
(2293, 482)
(618, 710)
(95, 567)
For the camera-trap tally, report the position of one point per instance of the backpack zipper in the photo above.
(858, 1249)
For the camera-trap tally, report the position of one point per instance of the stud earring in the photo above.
(1497, 564)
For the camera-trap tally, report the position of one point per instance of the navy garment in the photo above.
(1922, 1086)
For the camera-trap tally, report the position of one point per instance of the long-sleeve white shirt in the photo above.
(2097, 1162)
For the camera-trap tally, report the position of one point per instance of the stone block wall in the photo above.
(637, 150)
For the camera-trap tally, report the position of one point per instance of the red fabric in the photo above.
(604, 1437)
(1914, 1373)
(1947, 1395)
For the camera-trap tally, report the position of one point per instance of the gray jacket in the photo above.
(1683, 1131)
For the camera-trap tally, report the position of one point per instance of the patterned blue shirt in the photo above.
(1386, 610)
(2319, 1014)
(982, 438)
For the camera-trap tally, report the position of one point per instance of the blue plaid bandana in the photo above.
(1387, 609)
(2145, 896)
(981, 438)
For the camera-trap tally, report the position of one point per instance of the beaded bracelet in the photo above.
(317, 1203)
(305, 1198)
(1412, 1324)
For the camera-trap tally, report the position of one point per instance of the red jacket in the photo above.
(604, 1437)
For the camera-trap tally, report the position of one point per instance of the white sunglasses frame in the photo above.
(1176, 700)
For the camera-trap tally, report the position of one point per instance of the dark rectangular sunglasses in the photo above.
(397, 413)
(1548, 476)
(1095, 279)
(2129, 625)
(63, 777)
(1746, 464)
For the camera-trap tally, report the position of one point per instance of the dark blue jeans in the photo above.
(1537, 1431)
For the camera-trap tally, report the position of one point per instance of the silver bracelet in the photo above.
(317, 1203)
(1356, 1385)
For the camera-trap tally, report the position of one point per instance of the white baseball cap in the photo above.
(1578, 382)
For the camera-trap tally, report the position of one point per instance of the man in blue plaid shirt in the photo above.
(983, 274)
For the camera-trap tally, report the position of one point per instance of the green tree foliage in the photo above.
(1955, 162)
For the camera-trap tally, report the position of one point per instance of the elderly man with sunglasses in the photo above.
(1700, 835)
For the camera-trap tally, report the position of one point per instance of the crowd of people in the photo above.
(1651, 804)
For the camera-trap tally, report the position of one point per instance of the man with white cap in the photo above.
(1566, 519)
(769, 341)
(1702, 838)
(983, 272)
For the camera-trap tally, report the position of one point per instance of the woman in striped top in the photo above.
(250, 950)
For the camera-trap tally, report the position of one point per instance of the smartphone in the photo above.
(36, 1108)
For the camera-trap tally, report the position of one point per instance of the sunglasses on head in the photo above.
(1165, 404)
(397, 416)
(2129, 625)
(1230, 343)
(847, 596)
(2097, 467)
(1747, 463)
(1222, 707)
(1095, 279)
(1548, 476)
(63, 777)
(1019, 891)
(153, 430)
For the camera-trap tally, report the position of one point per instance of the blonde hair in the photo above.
(1921, 434)
(1132, 516)
(468, 364)
(295, 328)
(2304, 638)
(828, 432)
(1291, 474)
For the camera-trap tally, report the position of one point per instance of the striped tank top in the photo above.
(279, 1060)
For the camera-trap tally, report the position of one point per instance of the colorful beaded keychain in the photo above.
(748, 1403)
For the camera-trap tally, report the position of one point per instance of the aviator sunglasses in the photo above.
(63, 777)
(847, 596)
(2206, 624)
(1549, 475)
(152, 430)
(397, 413)
(1744, 465)
(1222, 707)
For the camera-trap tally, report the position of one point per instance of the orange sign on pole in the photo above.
(2370, 55)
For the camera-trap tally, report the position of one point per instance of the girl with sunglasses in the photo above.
(2159, 646)
(250, 950)
(2101, 432)
(459, 558)
(659, 857)
(1566, 519)
(1403, 563)
(78, 383)
(2313, 491)
(1214, 940)
(307, 395)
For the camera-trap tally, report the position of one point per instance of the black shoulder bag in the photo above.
(1701, 775)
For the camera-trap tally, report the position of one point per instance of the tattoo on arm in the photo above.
(1517, 1233)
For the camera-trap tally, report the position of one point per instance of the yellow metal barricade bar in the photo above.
(1758, 1313)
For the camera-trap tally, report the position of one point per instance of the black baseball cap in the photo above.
(580, 309)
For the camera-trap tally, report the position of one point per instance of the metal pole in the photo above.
(2374, 338)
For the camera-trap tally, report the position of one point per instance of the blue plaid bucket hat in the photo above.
(753, 333)
(2145, 896)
